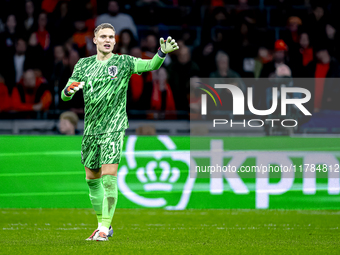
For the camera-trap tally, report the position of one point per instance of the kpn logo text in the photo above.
(238, 105)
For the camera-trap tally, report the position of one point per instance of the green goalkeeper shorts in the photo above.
(97, 150)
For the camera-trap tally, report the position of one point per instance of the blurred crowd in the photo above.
(42, 40)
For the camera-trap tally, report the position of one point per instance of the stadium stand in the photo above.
(49, 37)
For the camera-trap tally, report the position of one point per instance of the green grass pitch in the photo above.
(155, 231)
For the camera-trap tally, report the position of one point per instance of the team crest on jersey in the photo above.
(113, 70)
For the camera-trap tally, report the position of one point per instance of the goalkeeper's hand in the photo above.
(168, 45)
(73, 88)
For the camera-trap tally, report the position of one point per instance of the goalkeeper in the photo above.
(104, 79)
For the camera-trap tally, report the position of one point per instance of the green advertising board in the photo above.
(161, 172)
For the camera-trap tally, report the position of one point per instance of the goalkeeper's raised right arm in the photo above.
(155, 63)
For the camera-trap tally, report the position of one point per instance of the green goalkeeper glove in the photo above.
(168, 45)
(73, 88)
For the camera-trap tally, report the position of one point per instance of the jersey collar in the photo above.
(104, 61)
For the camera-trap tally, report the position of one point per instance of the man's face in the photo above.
(223, 63)
(29, 8)
(293, 26)
(113, 8)
(29, 79)
(59, 53)
(318, 12)
(42, 20)
(11, 22)
(184, 55)
(279, 55)
(66, 127)
(20, 47)
(136, 52)
(80, 25)
(330, 31)
(151, 41)
(125, 38)
(105, 40)
(304, 40)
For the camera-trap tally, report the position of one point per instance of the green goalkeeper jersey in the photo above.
(105, 89)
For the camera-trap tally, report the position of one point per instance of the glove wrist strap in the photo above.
(161, 53)
(66, 93)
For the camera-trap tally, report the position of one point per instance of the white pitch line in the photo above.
(44, 194)
(169, 153)
(41, 174)
(39, 153)
(43, 153)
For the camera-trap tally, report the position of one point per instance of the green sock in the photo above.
(96, 196)
(110, 199)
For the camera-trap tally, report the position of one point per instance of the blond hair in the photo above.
(71, 116)
(102, 26)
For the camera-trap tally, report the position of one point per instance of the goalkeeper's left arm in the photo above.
(155, 63)
(74, 83)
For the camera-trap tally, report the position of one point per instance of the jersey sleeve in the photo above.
(133, 66)
(146, 65)
(77, 76)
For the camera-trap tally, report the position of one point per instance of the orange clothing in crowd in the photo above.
(147, 55)
(49, 5)
(91, 25)
(320, 75)
(156, 99)
(5, 103)
(43, 38)
(295, 36)
(79, 38)
(22, 101)
(216, 3)
(194, 100)
(307, 56)
(136, 84)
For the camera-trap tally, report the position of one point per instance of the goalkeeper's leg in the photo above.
(94, 181)
(111, 150)
(91, 160)
(109, 177)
